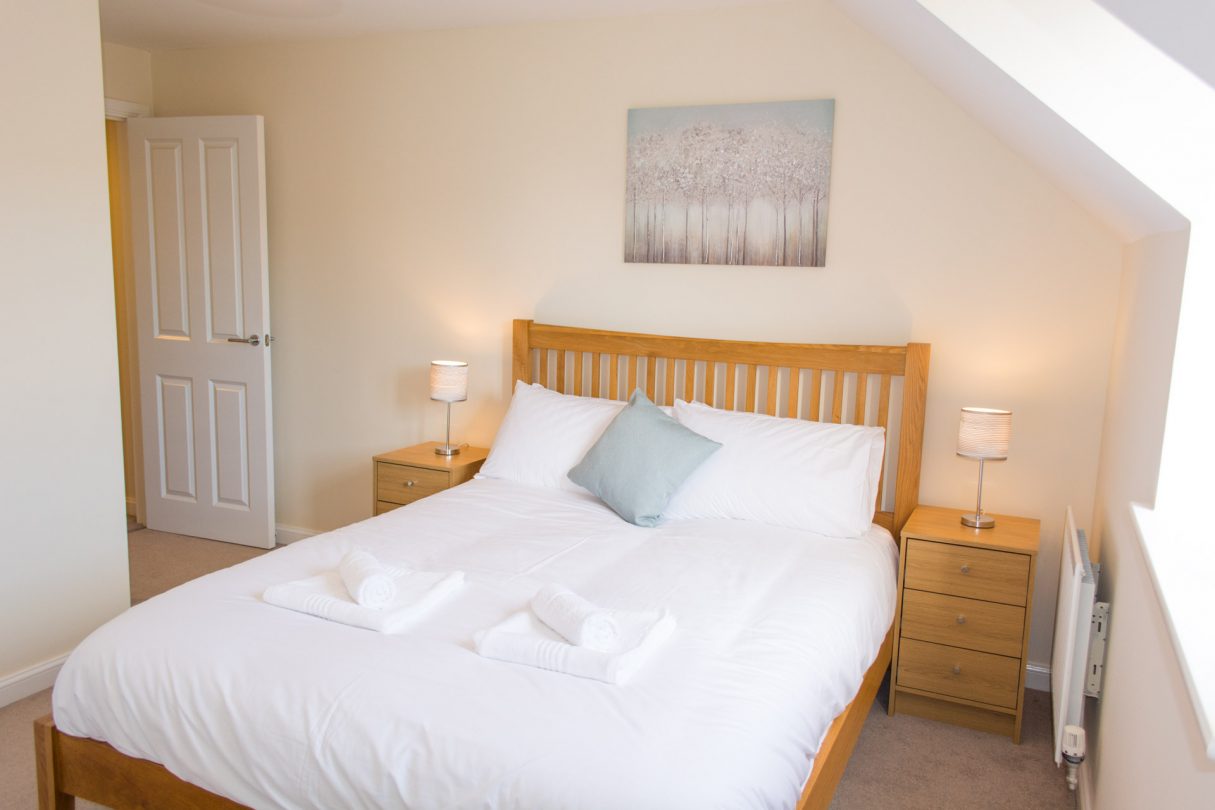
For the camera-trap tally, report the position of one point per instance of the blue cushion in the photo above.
(640, 460)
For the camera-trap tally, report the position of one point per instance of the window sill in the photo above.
(1180, 573)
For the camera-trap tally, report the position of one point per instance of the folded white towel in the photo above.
(579, 621)
(523, 639)
(325, 596)
(370, 583)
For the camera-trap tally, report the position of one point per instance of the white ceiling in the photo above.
(173, 24)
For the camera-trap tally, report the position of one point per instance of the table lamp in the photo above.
(983, 434)
(448, 383)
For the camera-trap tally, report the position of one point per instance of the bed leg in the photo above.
(49, 796)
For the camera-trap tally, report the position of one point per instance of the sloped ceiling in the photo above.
(1181, 28)
(1026, 124)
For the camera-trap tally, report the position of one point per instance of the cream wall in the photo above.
(426, 188)
(62, 536)
(127, 73)
(1145, 739)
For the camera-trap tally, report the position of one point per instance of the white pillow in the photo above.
(787, 472)
(544, 434)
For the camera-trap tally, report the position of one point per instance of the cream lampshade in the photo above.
(448, 383)
(448, 380)
(983, 434)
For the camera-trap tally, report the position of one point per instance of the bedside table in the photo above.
(411, 473)
(963, 620)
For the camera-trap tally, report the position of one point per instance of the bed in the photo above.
(735, 713)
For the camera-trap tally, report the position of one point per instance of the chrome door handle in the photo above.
(961, 620)
(252, 340)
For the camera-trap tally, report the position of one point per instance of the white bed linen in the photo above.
(279, 709)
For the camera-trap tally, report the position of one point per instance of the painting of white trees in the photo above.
(729, 184)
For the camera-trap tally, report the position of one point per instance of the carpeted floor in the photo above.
(910, 763)
(900, 762)
(161, 561)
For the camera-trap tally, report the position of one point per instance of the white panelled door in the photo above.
(198, 214)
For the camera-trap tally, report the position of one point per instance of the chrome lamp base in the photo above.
(978, 521)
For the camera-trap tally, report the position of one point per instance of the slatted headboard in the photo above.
(825, 383)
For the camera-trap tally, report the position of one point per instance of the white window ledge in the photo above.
(1181, 571)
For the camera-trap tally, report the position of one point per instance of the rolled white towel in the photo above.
(369, 582)
(523, 639)
(577, 620)
(325, 596)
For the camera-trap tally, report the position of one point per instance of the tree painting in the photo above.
(729, 184)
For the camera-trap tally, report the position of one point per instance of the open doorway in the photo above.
(124, 305)
(191, 292)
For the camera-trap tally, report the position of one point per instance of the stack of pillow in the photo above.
(692, 461)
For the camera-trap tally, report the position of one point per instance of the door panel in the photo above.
(221, 240)
(230, 459)
(199, 233)
(167, 227)
(176, 440)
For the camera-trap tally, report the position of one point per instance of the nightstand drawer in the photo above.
(960, 622)
(402, 484)
(982, 677)
(994, 576)
(384, 506)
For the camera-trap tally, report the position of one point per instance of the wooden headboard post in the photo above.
(911, 435)
(828, 383)
(521, 352)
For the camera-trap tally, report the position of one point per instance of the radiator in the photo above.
(1074, 621)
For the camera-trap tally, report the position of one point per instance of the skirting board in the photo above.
(285, 535)
(25, 682)
(1037, 676)
(1084, 790)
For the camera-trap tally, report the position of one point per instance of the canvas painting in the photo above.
(729, 184)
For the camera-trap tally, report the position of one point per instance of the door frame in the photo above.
(119, 110)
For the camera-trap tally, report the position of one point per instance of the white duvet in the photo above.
(274, 708)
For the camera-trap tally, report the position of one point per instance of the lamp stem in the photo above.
(446, 449)
(978, 520)
(447, 444)
(978, 498)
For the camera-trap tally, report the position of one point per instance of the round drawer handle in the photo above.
(965, 568)
(961, 620)
(957, 670)
(410, 483)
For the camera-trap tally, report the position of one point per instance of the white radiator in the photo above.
(1074, 619)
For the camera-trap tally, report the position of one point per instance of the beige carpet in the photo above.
(900, 762)
(914, 764)
(161, 561)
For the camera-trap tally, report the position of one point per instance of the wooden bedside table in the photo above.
(963, 617)
(411, 473)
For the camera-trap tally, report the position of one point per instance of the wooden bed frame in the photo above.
(827, 383)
